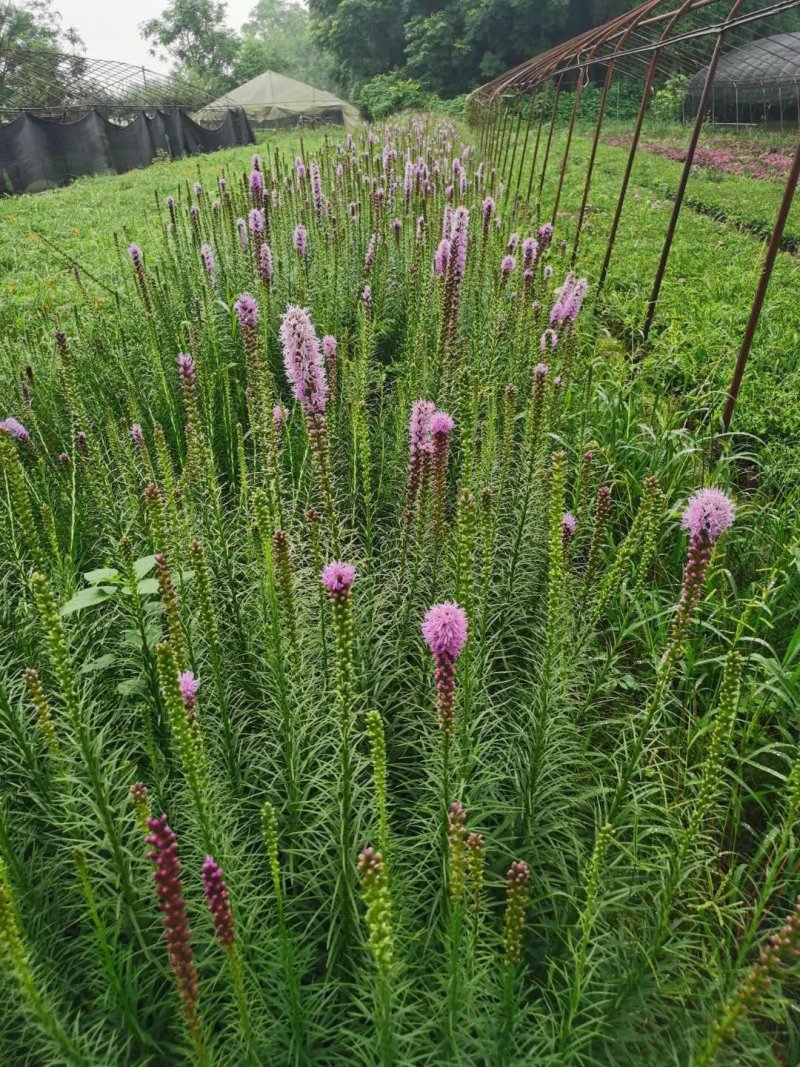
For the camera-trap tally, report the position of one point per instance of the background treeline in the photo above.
(385, 55)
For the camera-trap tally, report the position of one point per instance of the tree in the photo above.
(450, 46)
(364, 37)
(277, 37)
(36, 54)
(195, 34)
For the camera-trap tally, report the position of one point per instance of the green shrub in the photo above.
(667, 105)
(387, 93)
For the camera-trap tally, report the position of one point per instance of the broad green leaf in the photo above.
(143, 566)
(148, 586)
(87, 598)
(104, 574)
(99, 664)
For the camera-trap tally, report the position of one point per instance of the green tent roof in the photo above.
(270, 96)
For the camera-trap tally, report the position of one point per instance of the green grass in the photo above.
(91, 223)
(620, 725)
(707, 292)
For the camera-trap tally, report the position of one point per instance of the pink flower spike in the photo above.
(419, 426)
(302, 360)
(444, 629)
(338, 578)
(329, 345)
(710, 511)
(441, 424)
(246, 308)
(219, 902)
(189, 686)
(14, 428)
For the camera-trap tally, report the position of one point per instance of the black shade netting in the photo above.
(40, 153)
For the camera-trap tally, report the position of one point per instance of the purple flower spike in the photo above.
(169, 887)
(265, 258)
(207, 256)
(241, 226)
(257, 185)
(329, 345)
(302, 359)
(441, 260)
(256, 220)
(530, 252)
(186, 370)
(338, 578)
(444, 629)
(569, 524)
(487, 208)
(507, 266)
(137, 436)
(246, 308)
(14, 428)
(441, 424)
(708, 511)
(189, 686)
(300, 240)
(419, 426)
(219, 902)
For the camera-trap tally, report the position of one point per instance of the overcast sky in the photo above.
(110, 28)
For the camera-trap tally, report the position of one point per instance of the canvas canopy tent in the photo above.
(272, 99)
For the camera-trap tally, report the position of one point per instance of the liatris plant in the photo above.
(444, 630)
(517, 888)
(708, 514)
(210, 419)
(441, 426)
(302, 360)
(377, 745)
(337, 580)
(33, 684)
(140, 798)
(18, 968)
(782, 944)
(517, 881)
(169, 888)
(420, 448)
(219, 904)
(375, 891)
(179, 694)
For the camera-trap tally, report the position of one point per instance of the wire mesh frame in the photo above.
(645, 36)
(54, 81)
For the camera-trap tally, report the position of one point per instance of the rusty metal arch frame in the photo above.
(610, 46)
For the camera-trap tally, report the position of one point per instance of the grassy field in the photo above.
(91, 223)
(707, 291)
(392, 670)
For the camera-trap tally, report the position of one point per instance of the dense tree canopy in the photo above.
(449, 46)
